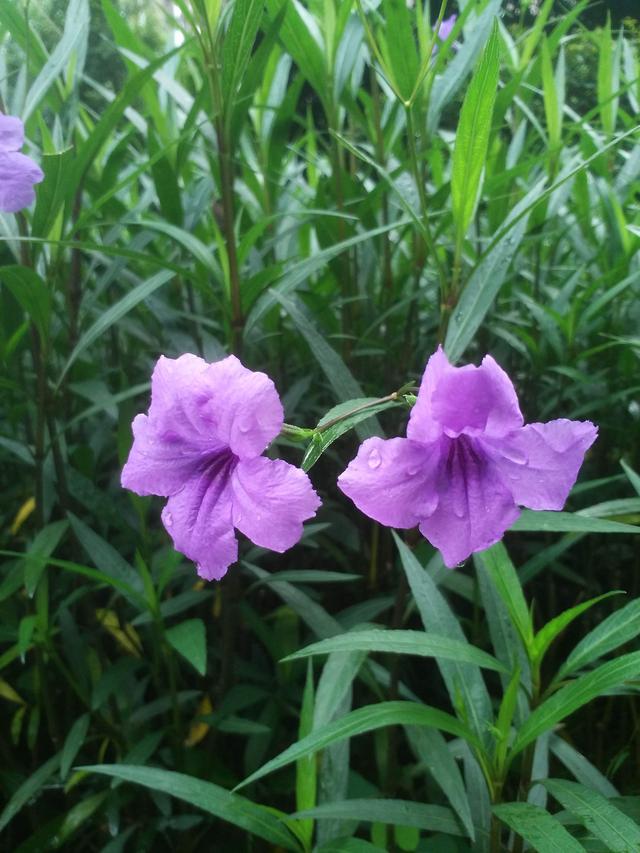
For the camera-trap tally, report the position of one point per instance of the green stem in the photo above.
(387, 274)
(208, 41)
(343, 260)
(420, 179)
(427, 241)
(38, 366)
(395, 395)
(495, 835)
(228, 224)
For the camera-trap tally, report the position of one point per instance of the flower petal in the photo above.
(214, 405)
(18, 173)
(540, 462)
(475, 507)
(393, 481)
(11, 133)
(271, 499)
(199, 520)
(476, 400)
(422, 425)
(159, 463)
(470, 400)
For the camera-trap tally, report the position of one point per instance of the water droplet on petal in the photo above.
(245, 425)
(459, 509)
(412, 471)
(374, 459)
(514, 455)
(168, 519)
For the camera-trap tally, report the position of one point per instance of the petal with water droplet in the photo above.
(399, 488)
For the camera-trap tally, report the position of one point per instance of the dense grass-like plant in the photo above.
(326, 190)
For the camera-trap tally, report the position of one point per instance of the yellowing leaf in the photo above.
(22, 515)
(16, 724)
(198, 729)
(126, 637)
(7, 692)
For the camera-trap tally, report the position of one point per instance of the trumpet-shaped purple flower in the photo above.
(18, 173)
(201, 446)
(468, 461)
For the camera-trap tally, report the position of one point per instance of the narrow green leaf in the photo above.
(543, 832)
(349, 845)
(634, 477)
(307, 766)
(550, 631)
(505, 718)
(189, 638)
(301, 37)
(618, 628)
(73, 743)
(333, 700)
(497, 563)
(104, 556)
(432, 750)
(73, 43)
(399, 48)
(305, 269)
(361, 721)
(608, 77)
(362, 409)
(464, 681)
(472, 137)
(568, 522)
(31, 292)
(399, 812)
(250, 817)
(94, 574)
(552, 96)
(486, 279)
(44, 544)
(403, 643)
(574, 695)
(580, 767)
(238, 44)
(306, 576)
(51, 192)
(87, 152)
(336, 371)
(313, 614)
(448, 84)
(618, 832)
(115, 313)
(78, 814)
(28, 790)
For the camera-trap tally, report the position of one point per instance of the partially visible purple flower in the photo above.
(468, 461)
(201, 446)
(444, 31)
(18, 173)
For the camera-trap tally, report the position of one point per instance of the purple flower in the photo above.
(200, 445)
(467, 462)
(18, 173)
(444, 30)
